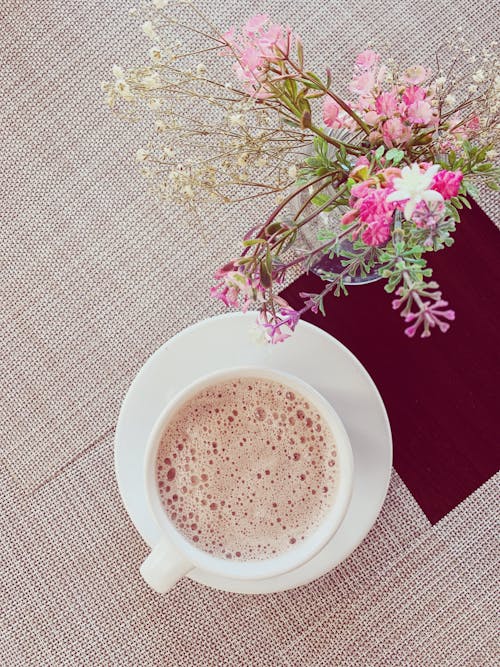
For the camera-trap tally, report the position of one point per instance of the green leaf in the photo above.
(251, 242)
(269, 260)
(300, 54)
(379, 152)
(483, 167)
(394, 155)
(492, 185)
(314, 77)
(471, 189)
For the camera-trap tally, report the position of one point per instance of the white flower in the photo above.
(149, 30)
(478, 77)
(141, 155)
(155, 54)
(450, 100)
(414, 185)
(236, 119)
(160, 4)
(123, 90)
(201, 69)
(118, 72)
(154, 104)
(440, 81)
(151, 80)
(292, 172)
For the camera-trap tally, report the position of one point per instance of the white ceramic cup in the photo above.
(174, 555)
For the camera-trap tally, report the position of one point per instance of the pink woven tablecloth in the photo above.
(95, 276)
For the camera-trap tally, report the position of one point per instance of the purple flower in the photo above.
(431, 315)
(279, 326)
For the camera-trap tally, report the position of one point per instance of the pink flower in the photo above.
(420, 112)
(280, 326)
(362, 161)
(428, 214)
(413, 94)
(447, 183)
(415, 74)
(363, 83)
(386, 104)
(228, 295)
(431, 315)
(377, 233)
(395, 132)
(374, 137)
(331, 112)
(473, 125)
(250, 61)
(367, 59)
(255, 24)
(349, 217)
(256, 49)
(372, 117)
(374, 207)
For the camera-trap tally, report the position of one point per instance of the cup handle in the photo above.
(164, 566)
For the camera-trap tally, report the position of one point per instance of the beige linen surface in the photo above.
(95, 276)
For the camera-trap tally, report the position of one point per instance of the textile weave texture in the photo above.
(95, 276)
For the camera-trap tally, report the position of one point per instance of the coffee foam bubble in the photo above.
(246, 469)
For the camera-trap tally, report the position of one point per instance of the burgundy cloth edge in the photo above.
(439, 392)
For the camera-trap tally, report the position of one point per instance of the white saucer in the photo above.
(310, 354)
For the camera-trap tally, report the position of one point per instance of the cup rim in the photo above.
(297, 555)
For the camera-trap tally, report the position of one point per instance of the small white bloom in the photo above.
(141, 155)
(160, 125)
(440, 81)
(123, 90)
(149, 30)
(118, 72)
(414, 185)
(450, 100)
(472, 88)
(236, 119)
(257, 336)
(201, 69)
(132, 11)
(155, 54)
(292, 172)
(154, 104)
(168, 152)
(261, 161)
(491, 154)
(478, 77)
(151, 80)
(160, 4)
(497, 83)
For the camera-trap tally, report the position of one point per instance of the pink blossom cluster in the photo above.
(234, 288)
(280, 325)
(258, 46)
(374, 199)
(394, 114)
(431, 314)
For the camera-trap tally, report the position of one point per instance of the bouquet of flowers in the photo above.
(391, 163)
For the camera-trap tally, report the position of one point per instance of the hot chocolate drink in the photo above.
(246, 468)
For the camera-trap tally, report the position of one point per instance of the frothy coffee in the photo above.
(247, 468)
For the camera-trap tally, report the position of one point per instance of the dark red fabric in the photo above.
(441, 393)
